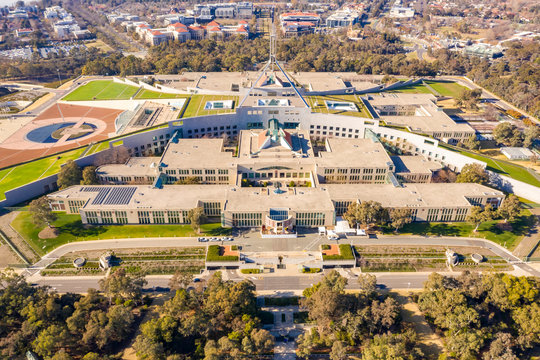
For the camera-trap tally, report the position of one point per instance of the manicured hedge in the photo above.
(325, 247)
(311, 270)
(345, 253)
(214, 254)
(250, 271)
(281, 301)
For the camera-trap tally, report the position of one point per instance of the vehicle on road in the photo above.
(202, 239)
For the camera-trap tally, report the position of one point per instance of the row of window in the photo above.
(329, 171)
(281, 175)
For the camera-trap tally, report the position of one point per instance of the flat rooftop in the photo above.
(414, 164)
(436, 195)
(353, 153)
(197, 154)
(262, 199)
(428, 116)
(248, 199)
(137, 166)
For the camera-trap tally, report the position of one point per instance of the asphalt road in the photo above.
(270, 283)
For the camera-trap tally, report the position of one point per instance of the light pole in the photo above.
(59, 78)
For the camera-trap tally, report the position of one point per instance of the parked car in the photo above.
(215, 239)
(203, 239)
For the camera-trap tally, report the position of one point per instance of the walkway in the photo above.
(530, 242)
(284, 328)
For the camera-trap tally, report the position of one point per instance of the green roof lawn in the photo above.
(317, 104)
(196, 105)
(102, 90)
(19, 175)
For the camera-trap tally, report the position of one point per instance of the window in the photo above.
(121, 217)
(75, 205)
(106, 217)
(92, 217)
(144, 217)
(309, 219)
(159, 217)
(174, 217)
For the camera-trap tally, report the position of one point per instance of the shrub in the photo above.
(250, 271)
(325, 247)
(214, 254)
(281, 301)
(234, 247)
(311, 270)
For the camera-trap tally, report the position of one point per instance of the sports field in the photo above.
(149, 94)
(317, 104)
(16, 176)
(197, 103)
(102, 90)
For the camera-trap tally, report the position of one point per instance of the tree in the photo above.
(196, 217)
(120, 284)
(365, 213)
(181, 279)
(510, 208)
(41, 212)
(478, 215)
(468, 98)
(89, 176)
(51, 340)
(70, 174)
(473, 173)
(339, 351)
(501, 348)
(507, 134)
(472, 143)
(368, 283)
(531, 134)
(400, 217)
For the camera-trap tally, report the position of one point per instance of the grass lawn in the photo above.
(502, 167)
(413, 89)
(446, 88)
(19, 175)
(149, 94)
(102, 90)
(98, 147)
(317, 104)
(72, 229)
(197, 103)
(488, 230)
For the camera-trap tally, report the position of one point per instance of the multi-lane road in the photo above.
(288, 281)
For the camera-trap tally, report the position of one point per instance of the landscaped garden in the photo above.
(150, 94)
(335, 252)
(148, 260)
(217, 253)
(71, 229)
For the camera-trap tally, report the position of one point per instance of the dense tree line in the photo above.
(67, 326)
(365, 322)
(490, 316)
(219, 322)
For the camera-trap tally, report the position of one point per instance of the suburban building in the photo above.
(342, 18)
(298, 23)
